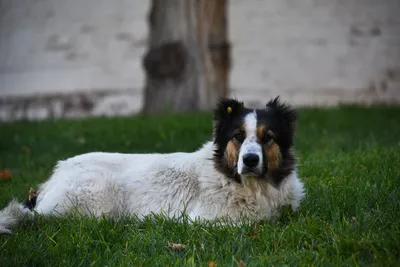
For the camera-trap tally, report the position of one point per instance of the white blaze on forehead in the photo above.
(250, 124)
(250, 144)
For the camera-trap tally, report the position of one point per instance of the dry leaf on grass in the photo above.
(5, 174)
(26, 148)
(211, 264)
(255, 234)
(241, 264)
(176, 246)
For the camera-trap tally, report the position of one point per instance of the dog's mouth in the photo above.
(251, 172)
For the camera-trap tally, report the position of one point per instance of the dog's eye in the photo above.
(266, 137)
(239, 136)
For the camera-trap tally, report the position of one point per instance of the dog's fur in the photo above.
(249, 170)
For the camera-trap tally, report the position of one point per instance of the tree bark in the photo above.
(188, 61)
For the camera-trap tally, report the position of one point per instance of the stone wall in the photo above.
(311, 52)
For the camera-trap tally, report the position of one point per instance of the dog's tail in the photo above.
(16, 212)
(11, 215)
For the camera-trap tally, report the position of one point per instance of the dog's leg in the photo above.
(90, 196)
(51, 202)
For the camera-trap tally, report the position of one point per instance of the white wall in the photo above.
(317, 51)
(309, 51)
(68, 45)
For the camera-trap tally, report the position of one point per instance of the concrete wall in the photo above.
(68, 45)
(317, 51)
(79, 57)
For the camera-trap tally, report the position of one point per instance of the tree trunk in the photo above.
(188, 60)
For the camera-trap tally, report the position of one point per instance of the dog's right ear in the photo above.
(227, 109)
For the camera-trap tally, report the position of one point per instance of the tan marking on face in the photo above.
(231, 153)
(274, 156)
(260, 131)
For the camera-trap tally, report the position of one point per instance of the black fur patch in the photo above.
(278, 117)
(225, 123)
(281, 119)
(30, 203)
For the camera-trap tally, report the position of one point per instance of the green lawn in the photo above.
(350, 163)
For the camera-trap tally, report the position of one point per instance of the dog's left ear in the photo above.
(285, 114)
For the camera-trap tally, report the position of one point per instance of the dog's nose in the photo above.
(251, 160)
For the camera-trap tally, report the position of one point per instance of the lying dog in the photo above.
(249, 170)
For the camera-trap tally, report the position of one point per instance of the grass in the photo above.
(350, 163)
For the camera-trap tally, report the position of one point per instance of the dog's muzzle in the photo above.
(251, 160)
(250, 164)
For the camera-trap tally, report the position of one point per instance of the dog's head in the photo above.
(254, 142)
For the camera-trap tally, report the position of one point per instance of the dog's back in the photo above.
(112, 183)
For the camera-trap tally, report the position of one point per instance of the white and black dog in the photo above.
(249, 170)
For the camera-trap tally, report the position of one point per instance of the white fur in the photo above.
(250, 144)
(140, 184)
(11, 215)
(250, 122)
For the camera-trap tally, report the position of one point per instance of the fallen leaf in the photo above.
(5, 174)
(255, 234)
(211, 264)
(241, 264)
(176, 246)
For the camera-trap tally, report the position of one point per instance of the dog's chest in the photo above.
(257, 198)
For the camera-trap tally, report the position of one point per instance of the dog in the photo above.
(248, 170)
